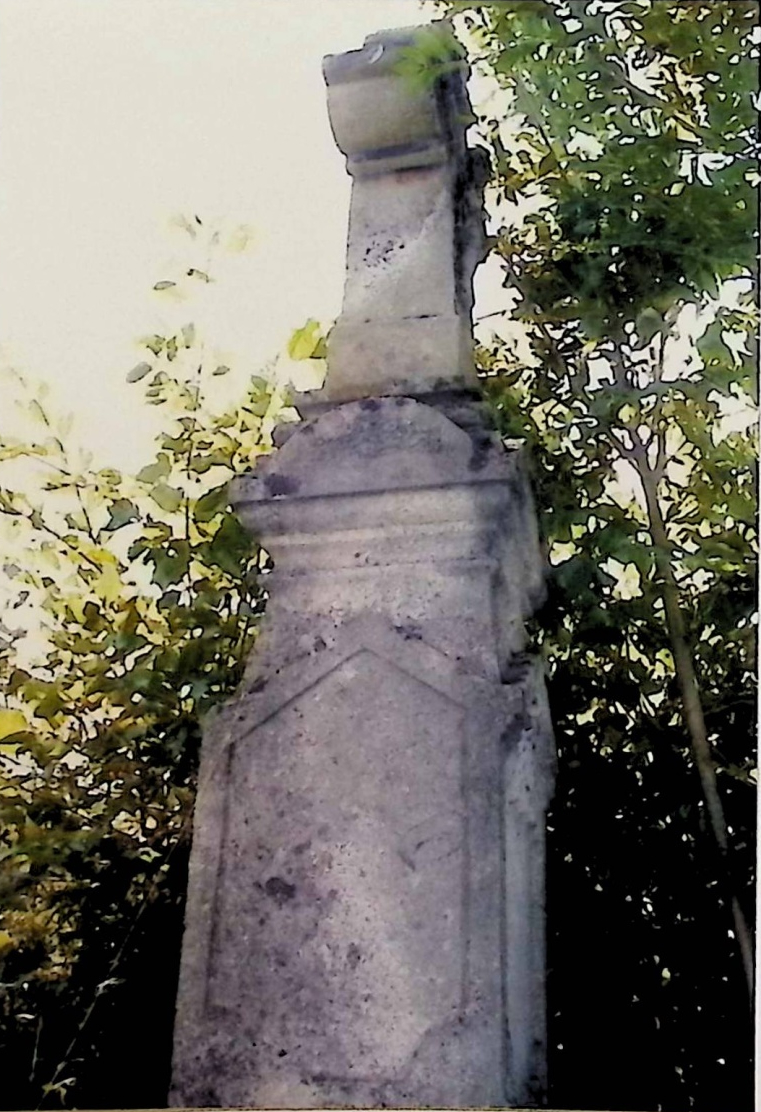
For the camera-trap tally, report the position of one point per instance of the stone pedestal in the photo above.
(365, 921)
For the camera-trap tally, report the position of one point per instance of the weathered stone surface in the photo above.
(353, 958)
(387, 505)
(416, 223)
(365, 916)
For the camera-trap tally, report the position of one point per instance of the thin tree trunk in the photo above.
(693, 708)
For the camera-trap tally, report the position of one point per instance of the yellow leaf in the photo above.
(11, 722)
(307, 342)
(686, 135)
(76, 605)
(6, 942)
(109, 584)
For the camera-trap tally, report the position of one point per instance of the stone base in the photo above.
(365, 921)
(358, 858)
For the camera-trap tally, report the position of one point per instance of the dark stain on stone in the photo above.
(320, 644)
(257, 685)
(480, 454)
(282, 1053)
(280, 484)
(279, 889)
(409, 632)
(516, 668)
(301, 848)
(208, 1096)
(353, 956)
(517, 491)
(369, 403)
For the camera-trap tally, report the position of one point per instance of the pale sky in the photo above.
(116, 116)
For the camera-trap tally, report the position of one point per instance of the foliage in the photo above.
(623, 145)
(150, 593)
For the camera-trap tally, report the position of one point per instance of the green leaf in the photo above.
(154, 472)
(167, 497)
(129, 642)
(257, 408)
(221, 370)
(648, 324)
(164, 285)
(211, 503)
(139, 371)
(177, 444)
(230, 546)
(121, 512)
(49, 706)
(170, 564)
(203, 462)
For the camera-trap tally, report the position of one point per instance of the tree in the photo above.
(150, 593)
(623, 139)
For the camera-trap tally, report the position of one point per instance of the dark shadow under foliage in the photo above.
(120, 1056)
(130, 1044)
(647, 1009)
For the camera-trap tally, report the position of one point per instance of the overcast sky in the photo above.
(116, 116)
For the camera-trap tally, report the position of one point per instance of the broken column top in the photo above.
(399, 102)
(399, 111)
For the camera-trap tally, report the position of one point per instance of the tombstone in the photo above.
(365, 915)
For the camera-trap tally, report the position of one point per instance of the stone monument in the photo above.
(365, 919)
